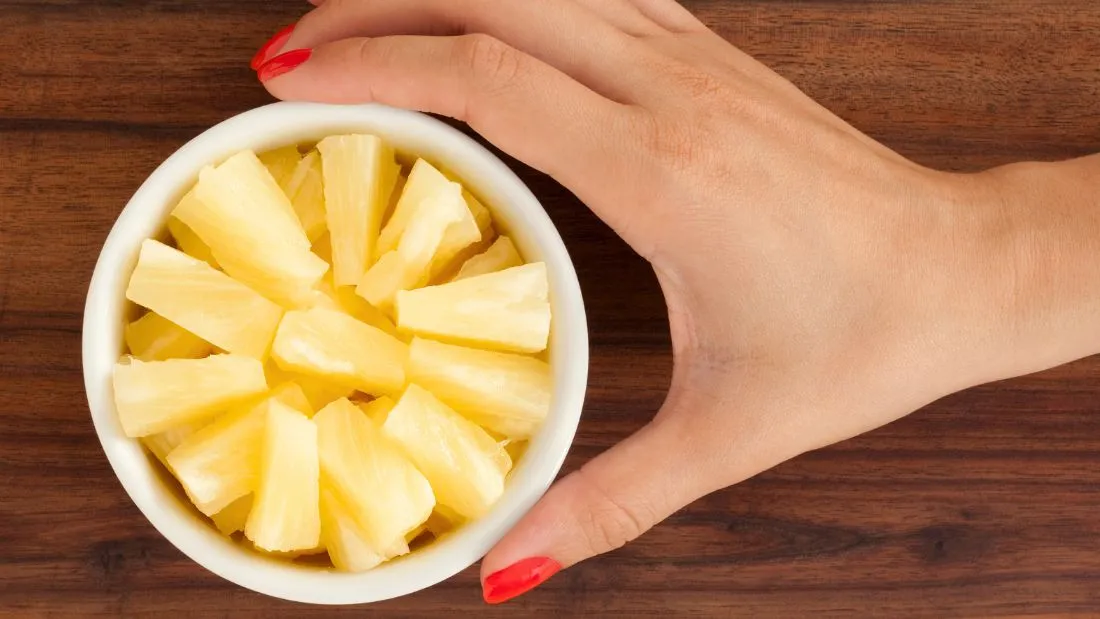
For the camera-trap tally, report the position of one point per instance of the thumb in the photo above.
(608, 502)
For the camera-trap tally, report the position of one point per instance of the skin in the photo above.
(819, 285)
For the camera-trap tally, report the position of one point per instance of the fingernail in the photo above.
(283, 63)
(273, 45)
(518, 578)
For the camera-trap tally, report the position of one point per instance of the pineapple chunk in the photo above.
(318, 393)
(233, 517)
(162, 444)
(155, 338)
(285, 512)
(348, 547)
(281, 163)
(516, 449)
(408, 266)
(456, 247)
(387, 495)
(187, 241)
(154, 396)
(501, 255)
(359, 174)
(204, 301)
(465, 466)
(505, 311)
(388, 275)
(253, 231)
(220, 463)
(344, 299)
(506, 393)
(307, 194)
(377, 410)
(338, 348)
(423, 182)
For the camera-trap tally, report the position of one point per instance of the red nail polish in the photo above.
(518, 578)
(283, 63)
(274, 44)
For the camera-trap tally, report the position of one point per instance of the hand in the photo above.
(818, 284)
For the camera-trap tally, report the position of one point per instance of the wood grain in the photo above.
(983, 504)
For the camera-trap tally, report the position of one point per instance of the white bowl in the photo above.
(412, 133)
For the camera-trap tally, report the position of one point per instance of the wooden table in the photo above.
(984, 504)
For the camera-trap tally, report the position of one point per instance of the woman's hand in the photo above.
(818, 284)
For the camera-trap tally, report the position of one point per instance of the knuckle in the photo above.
(492, 63)
(608, 523)
(674, 145)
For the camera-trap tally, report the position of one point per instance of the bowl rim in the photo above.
(292, 122)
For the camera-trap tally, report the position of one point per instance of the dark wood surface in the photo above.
(984, 504)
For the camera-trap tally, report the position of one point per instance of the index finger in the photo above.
(527, 108)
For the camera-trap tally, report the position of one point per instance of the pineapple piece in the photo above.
(154, 396)
(307, 194)
(281, 163)
(286, 513)
(388, 275)
(160, 445)
(348, 547)
(323, 248)
(318, 393)
(233, 517)
(338, 348)
(253, 231)
(187, 241)
(465, 466)
(204, 301)
(344, 299)
(507, 311)
(456, 247)
(506, 393)
(443, 521)
(359, 173)
(221, 462)
(387, 495)
(377, 410)
(423, 182)
(501, 255)
(516, 449)
(155, 338)
(395, 195)
(408, 266)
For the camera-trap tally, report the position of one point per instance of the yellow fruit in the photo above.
(456, 247)
(388, 275)
(335, 347)
(376, 410)
(281, 163)
(220, 463)
(253, 231)
(344, 299)
(154, 338)
(348, 547)
(154, 396)
(285, 512)
(506, 393)
(423, 182)
(465, 466)
(387, 495)
(516, 449)
(187, 241)
(507, 311)
(233, 517)
(162, 444)
(318, 392)
(306, 191)
(359, 174)
(408, 266)
(202, 300)
(501, 255)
